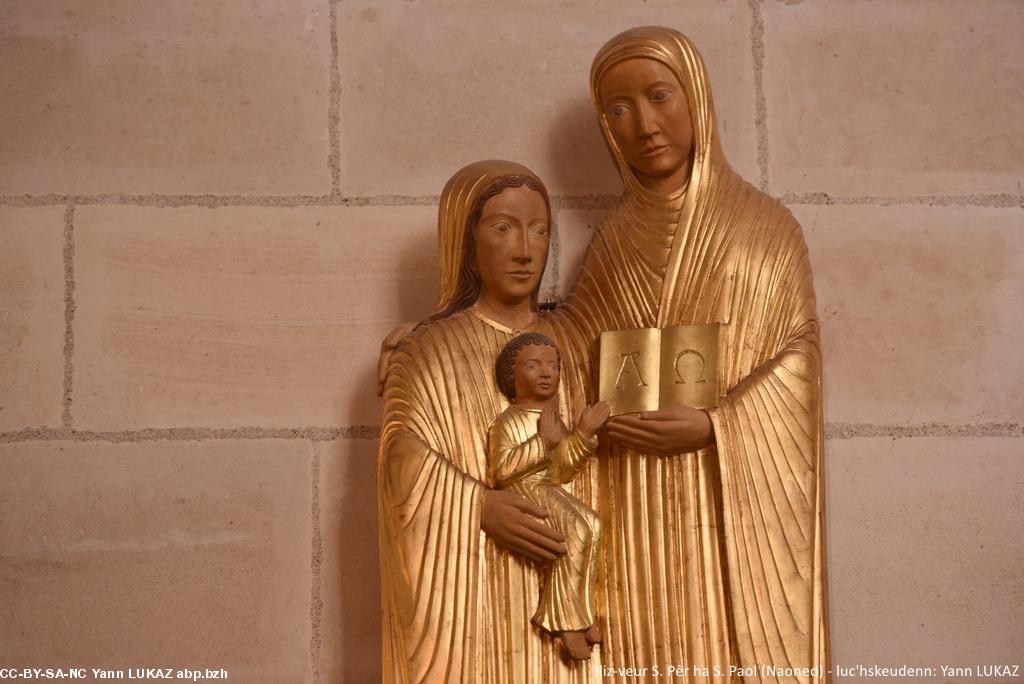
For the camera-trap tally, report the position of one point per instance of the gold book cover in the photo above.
(650, 368)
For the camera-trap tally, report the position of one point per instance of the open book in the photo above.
(650, 368)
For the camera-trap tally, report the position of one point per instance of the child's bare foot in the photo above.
(593, 634)
(575, 645)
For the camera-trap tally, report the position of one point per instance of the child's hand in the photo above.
(592, 418)
(549, 426)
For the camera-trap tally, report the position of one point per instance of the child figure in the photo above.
(532, 453)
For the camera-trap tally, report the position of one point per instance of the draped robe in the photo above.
(714, 558)
(455, 607)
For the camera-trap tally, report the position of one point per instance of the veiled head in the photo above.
(650, 88)
(493, 232)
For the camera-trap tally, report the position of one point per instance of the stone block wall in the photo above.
(212, 212)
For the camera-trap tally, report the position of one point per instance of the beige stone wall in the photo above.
(211, 212)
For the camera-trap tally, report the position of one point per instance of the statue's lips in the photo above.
(653, 151)
(520, 275)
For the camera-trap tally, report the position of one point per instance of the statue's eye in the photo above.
(541, 230)
(502, 227)
(617, 110)
(661, 94)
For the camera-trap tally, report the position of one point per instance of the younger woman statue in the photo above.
(461, 562)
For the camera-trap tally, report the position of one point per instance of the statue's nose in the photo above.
(522, 252)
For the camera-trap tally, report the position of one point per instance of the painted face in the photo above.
(512, 241)
(648, 115)
(537, 372)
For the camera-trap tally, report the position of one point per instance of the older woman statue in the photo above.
(461, 561)
(714, 554)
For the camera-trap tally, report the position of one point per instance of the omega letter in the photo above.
(698, 376)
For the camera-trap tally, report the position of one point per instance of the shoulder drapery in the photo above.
(430, 494)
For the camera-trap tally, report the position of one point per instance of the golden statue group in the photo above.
(684, 542)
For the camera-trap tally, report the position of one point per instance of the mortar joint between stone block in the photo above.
(316, 603)
(334, 105)
(67, 421)
(314, 434)
(757, 49)
(992, 201)
(555, 256)
(909, 431)
(596, 201)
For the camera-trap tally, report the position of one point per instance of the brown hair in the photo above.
(505, 366)
(468, 289)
